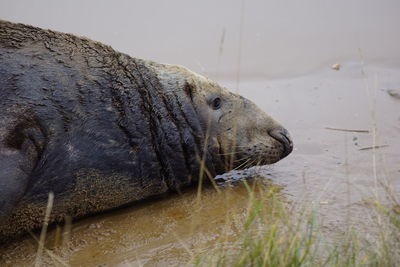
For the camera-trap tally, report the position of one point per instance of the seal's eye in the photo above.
(216, 103)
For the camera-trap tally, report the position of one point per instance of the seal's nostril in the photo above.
(282, 135)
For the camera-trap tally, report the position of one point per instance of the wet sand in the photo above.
(331, 169)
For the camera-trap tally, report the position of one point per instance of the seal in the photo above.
(100, 129)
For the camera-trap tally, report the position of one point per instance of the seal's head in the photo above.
(247, 136)
(244, 135)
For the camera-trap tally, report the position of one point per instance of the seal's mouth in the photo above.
(283, 137)
(277, 146)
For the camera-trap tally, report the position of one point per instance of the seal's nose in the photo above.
(283, 136)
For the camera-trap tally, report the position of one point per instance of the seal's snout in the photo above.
(283, 136)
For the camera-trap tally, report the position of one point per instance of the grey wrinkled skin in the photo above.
(101, 129)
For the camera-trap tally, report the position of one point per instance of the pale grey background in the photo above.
(280, 37)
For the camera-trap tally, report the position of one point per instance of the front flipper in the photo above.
(13, 180)
(20, 149)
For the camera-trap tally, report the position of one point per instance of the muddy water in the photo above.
(165, 232)
(331, 169)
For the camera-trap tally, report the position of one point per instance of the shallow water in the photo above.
(328, 168)
(278, 38)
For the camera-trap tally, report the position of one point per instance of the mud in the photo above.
(336, 119)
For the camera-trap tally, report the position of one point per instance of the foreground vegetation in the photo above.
(274, 235)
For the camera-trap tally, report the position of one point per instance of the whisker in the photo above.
(244, 158)
(245, 163)
(241, 164)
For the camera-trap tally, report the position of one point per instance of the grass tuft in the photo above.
(273, 234)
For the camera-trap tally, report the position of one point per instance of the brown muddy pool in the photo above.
(335, 170)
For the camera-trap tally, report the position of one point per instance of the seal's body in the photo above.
(101, 129)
